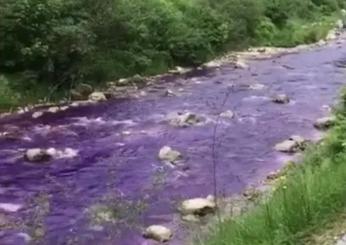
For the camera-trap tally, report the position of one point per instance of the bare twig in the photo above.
(214, 153)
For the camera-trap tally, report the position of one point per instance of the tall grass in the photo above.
(312, 194)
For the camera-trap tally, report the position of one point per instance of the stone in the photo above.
(227, 114)
(169, 93)
(241, 65)
(168, 154)
(257, 86)
(37, 114)
(339, 24)
(281, 99)
(75, 95)
(84, 89)
(10, 207)
(97, 96)
(292, 145)
(53, 109)
(198, 206)
(158, 233)
(37, 155)
(325, 122)
(190, 218)
(184, 119)
(122, 82)
(287, 146)
(212, 64)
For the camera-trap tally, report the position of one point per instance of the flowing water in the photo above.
(118, 142)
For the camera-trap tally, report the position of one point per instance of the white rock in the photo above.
(53, 109)
(37, 155)
(168, 154)
(212, 64)
(257, 86)
(227, 114)
(288, 146)
(241, 65)
(64, 108)
(198, 206)
(325, 122)
(184, 119)
(27, 238)
(37, 114)
(281, 99)
(10, 207)
(97, 96)
(158, 233)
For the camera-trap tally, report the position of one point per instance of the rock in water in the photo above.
(184, 119)
(168, 154)
(198, 206)
(325, 123)
(281, 99)
(227, 114)
(37, 155)
(37, 114)
(158, 233)
(292, 145)
(97, 96)
(53, 109)
(288, 146)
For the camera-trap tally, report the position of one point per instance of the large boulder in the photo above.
(37, 155)
(97, 96)
(158, 233)
(166, 153)
(325, 122)
(198, 206)
(184, 119)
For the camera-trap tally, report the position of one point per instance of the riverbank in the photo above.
(305, 204)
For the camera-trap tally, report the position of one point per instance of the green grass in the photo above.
(312, 194)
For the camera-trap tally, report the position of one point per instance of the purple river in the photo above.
(118, 142)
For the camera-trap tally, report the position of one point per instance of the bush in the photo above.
(66, 41)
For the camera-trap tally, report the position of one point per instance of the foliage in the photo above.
(63, 42)
(313, 193)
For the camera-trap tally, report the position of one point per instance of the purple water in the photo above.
(55, 197)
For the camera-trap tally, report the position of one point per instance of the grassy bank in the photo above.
(56, 44)
(313, 194)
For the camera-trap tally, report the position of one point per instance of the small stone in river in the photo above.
(158, 233)
(37, 155)
(84, 89)
(54, 109)
(288, 146)
(190, 218)
(168, 154)
(184, 119)
(281, 99)
(293, 144)
(10, 207)
(37, 114)
(227, 114)
(27, 238)
(97, 96)
(257, 86)
(198, 206)
(325, 123)
(169, 93)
